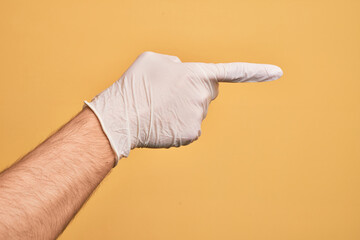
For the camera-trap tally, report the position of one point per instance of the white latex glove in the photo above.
(160, 102)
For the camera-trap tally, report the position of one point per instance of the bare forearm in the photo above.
(41, 193)
(159, 102)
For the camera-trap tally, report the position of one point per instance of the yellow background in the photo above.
(276, 160)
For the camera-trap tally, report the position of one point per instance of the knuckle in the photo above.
(195, 132)
(194, 136)
(204, 114)
(198, 132)
(146, 53)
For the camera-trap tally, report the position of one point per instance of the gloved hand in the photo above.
(160, 102)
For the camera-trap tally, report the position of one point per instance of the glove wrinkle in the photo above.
(160, 102)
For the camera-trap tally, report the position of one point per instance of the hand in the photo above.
(160, 102)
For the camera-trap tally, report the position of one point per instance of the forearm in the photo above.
(41, 193)
(159, 102)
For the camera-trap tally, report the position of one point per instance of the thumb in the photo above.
(240, 72)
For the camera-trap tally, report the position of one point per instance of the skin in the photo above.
(42, 192)
(62, 172)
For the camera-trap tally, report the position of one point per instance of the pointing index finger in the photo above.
(241, 72)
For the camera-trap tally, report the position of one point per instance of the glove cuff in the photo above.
(119, 142)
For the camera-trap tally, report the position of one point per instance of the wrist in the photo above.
(112, 116)
(99, 145)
